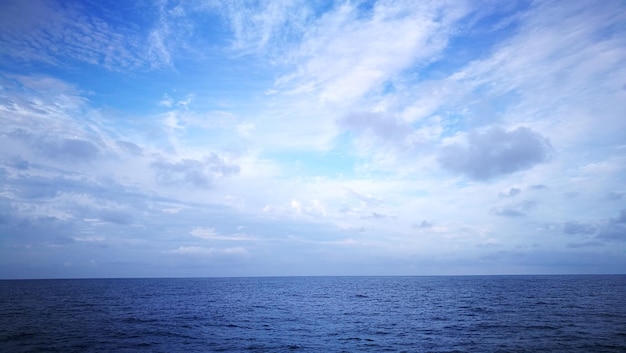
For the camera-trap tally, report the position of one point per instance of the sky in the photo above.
(279, 138)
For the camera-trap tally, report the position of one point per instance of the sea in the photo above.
(316, 314)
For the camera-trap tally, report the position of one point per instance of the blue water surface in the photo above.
(316, 314)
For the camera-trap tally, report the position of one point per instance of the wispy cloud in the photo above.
(54, 33)
(197, 250)
(211, 234)
(265, 26)
(335, 68)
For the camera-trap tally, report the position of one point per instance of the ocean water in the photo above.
(316, 314)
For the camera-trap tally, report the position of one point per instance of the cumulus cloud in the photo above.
(197, 173)
(496, 152)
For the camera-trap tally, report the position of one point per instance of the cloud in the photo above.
(615, 229)
(56, 147)
(314, 208)
(361, 205)
(335, 64)
(34, 188)
(116, 216)
(199, 250)
(425, 224)
(197, 173)
(90, 238)
(374, 216)
(57, 33)
(615, 196)
(157, 49)
(387, 130)
(339, 116)
(512, 192)
(578, 228)
(30, 229)
(211, 234)
(621, 219)
(69, 149)
(364, 199)
(18, 163)
(518, 209)
(130, 147)
(266, 25)
(496, 152)
(613, 232)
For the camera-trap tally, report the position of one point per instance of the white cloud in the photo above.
(346, 54)
(211, 234)
(198, 250)
(94, 238)
(157, 50)
(166, 101)
(245, 129)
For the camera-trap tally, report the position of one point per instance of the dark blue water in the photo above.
(316, 314)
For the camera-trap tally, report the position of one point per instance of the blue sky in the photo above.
(248, 138)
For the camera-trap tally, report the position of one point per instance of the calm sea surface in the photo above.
(316, 314)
